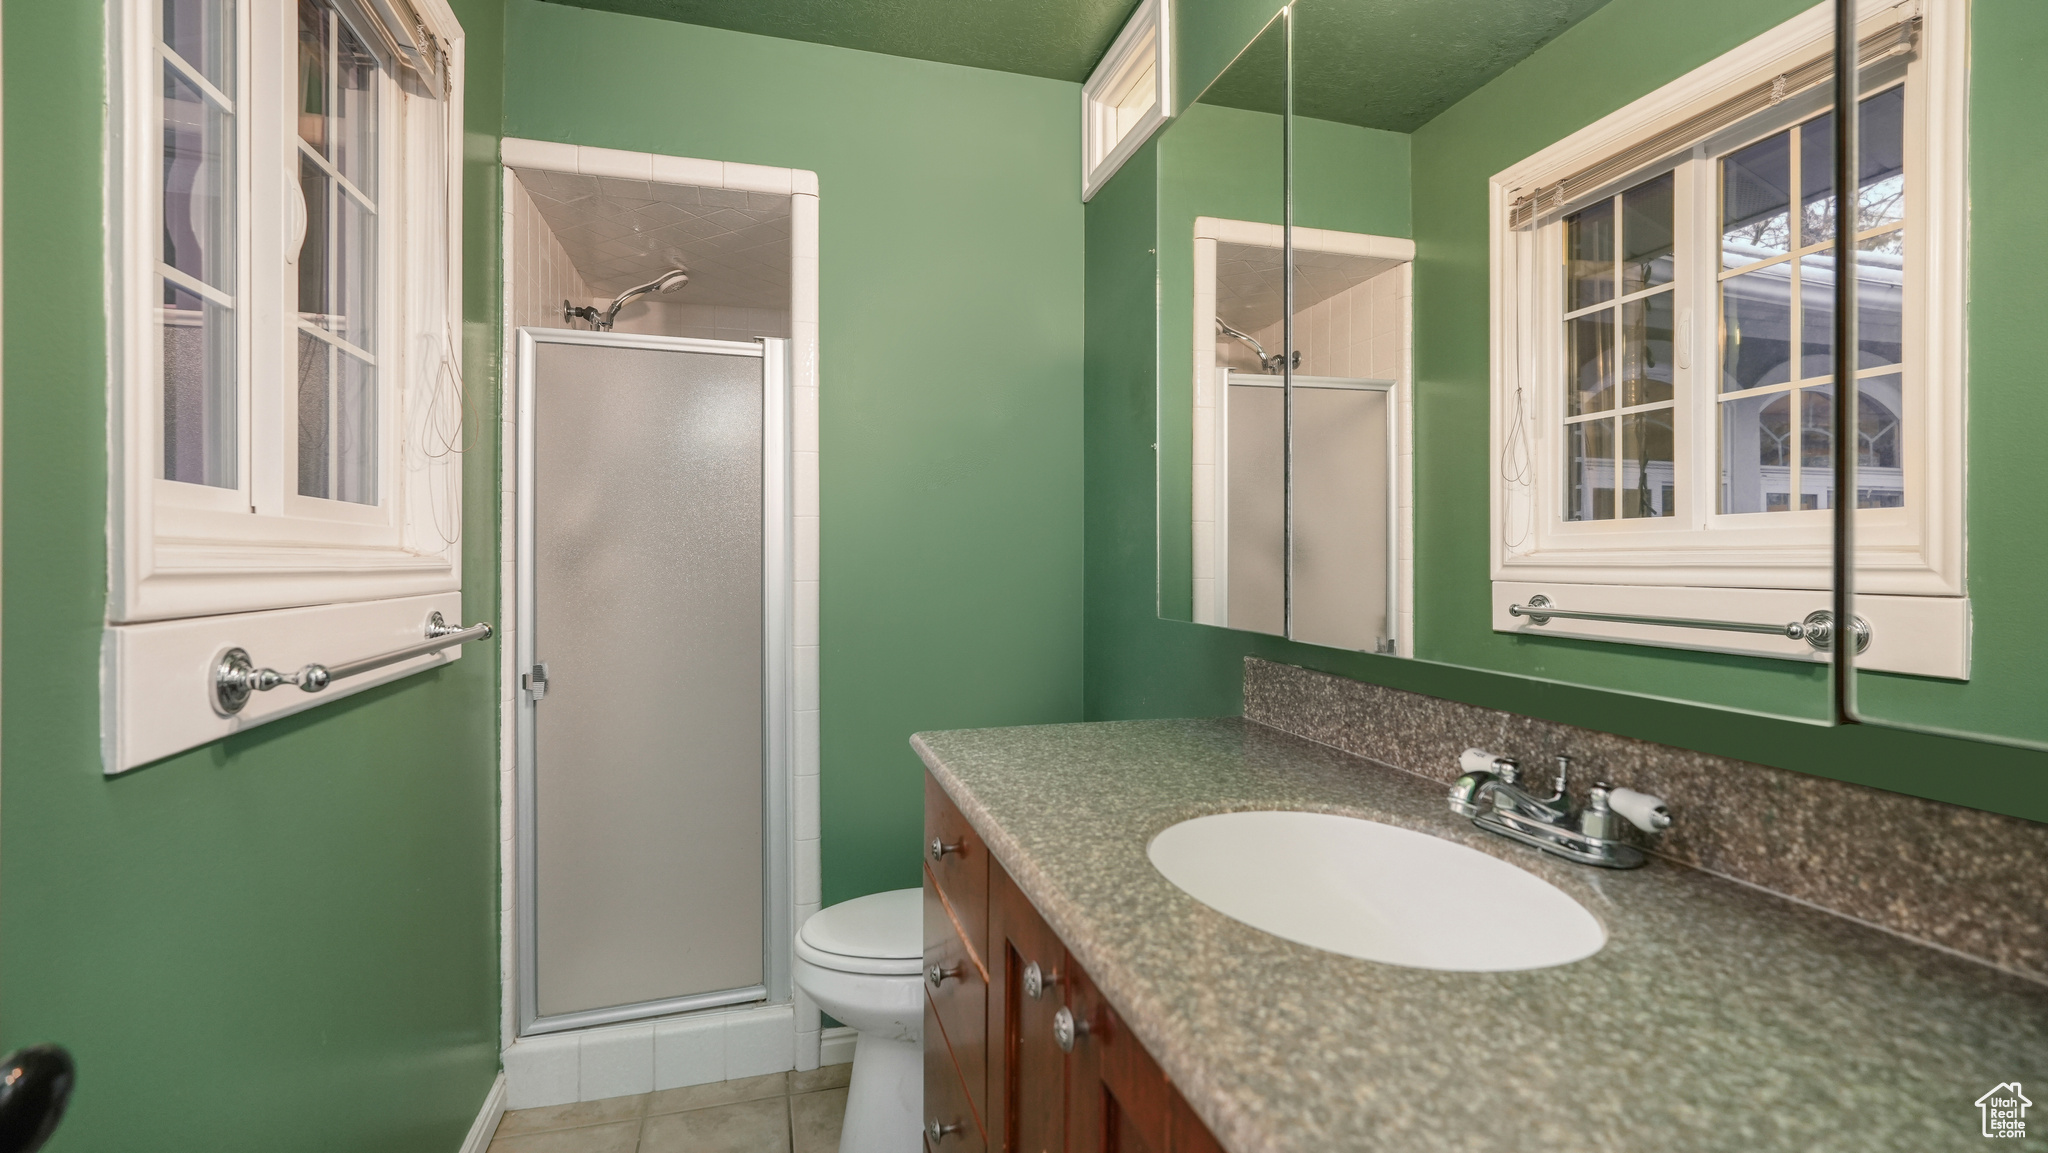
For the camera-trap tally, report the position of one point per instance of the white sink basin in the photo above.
(1375, 891)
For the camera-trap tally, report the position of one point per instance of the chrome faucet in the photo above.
(1490, 792)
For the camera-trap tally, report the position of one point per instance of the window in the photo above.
(283, 183)
(1127, 98)
(1663, 289)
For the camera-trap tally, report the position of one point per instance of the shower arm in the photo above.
(1266, 363)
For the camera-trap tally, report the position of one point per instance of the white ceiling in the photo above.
(1248, 287)
(619, 233)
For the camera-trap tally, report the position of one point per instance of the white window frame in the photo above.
(192, 569)
(1700, 563)
(1145, 43)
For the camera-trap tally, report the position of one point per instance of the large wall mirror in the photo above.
(1335, 472)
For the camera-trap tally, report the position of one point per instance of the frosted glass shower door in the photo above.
(650, 492)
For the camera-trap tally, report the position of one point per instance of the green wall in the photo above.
(286, 940)
(1140, 665)
(950, 380)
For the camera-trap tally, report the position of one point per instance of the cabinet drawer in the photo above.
(958, 864)
(960, 996)
(945, 1096)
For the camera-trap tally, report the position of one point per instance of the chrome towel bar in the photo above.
(1817, 629)
(235, 676)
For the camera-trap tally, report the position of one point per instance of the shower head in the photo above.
(667, 282)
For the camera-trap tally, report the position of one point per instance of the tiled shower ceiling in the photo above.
(1248, 281)
(619, 233)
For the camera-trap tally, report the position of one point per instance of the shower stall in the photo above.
(654, 716)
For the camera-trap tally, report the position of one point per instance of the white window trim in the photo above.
(1147, 38)
(1910, 562)
(1209, 504)
(192, 573)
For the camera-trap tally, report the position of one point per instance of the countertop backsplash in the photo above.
(1957, 878)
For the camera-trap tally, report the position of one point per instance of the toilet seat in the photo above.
(881, 934)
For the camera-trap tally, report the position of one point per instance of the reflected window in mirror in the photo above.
(1664, 364)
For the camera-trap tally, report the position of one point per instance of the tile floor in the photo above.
(779, 1113)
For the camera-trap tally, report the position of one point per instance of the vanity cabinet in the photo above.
(1022, 1053)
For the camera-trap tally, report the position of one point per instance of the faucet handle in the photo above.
(1642, 810)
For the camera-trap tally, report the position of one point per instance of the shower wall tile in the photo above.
(807, 739)
(807, 818)
(806, 613)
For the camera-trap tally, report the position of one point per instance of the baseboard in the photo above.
(835, 1046)
(487, 1118)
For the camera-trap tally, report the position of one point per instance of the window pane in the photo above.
(1646, 350)
(1589, 255)
(1880, 479)
(1756, 453)
(316, 391)
(199, 183)
(1881, 160)
(1817, 315)
(337, 423)
(1590, 354)
(1756, 201)
(354, 129)
(314, 81)
(1647, 478)
(1590, 470)
(317, 301)
(200, 423)
(1881, 299)
(355, 431)
(355, 267)
(1756, 328)
(1646, 252)
(1816, 448)
(202, 33)
(1817, 180)
(1880, 305)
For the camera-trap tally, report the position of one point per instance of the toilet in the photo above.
(862, 962)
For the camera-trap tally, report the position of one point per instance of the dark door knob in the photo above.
(34, 1085)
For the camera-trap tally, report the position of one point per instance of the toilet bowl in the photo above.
(862, 962)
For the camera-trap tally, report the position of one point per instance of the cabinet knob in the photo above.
(936, 1131)
(940, 848)
(936, 975)
(1066, 1029)
(1036, 982)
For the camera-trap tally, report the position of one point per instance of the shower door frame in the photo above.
(777, 669)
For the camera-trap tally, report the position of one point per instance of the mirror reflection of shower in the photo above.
(667, 282)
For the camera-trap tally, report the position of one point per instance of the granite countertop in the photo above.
(1717, 1017)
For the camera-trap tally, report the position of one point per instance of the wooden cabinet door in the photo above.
(1118, 1100)
(950, 1125)
(958, 990)
(1027, 1070)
